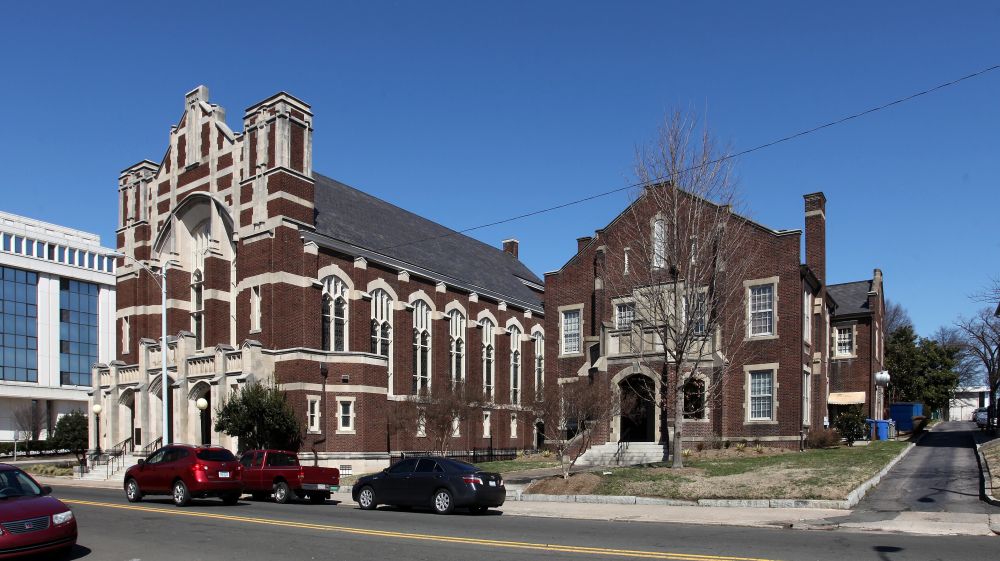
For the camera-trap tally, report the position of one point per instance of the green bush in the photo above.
(851, 425)
(27, 447)
(822, 438)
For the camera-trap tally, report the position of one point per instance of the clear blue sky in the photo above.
(467, 113)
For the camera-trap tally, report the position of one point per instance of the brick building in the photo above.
(773, 390)
(279, 273)
(858, 347)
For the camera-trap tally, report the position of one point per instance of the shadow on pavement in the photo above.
(884, 551)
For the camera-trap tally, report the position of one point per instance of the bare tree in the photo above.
(896, 317)
(31, 421)
(439, 415)
(967, 366)
(570, 420)
(981, 336)
(683, 253)
(989, 295)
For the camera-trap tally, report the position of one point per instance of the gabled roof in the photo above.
(851, 297)
(361, 220)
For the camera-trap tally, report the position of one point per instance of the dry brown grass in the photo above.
(991, 451)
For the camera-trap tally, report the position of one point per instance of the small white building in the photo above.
(57, 318)
(966, 401)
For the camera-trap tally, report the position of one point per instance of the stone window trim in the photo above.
(255, 311)
(487, 424)
(314, 417)
(658, 238)
(707, 413)
(561, 310)
(513, 425)
(806, 396)
(352, 427)
(835, 335)
(750, 284)
(775, 386)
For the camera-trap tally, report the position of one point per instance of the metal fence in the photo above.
(474, 456)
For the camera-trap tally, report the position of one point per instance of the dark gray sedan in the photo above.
(442, 484)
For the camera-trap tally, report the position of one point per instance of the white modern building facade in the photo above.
(57, 318)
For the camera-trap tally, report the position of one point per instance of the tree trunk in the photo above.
(678, 443)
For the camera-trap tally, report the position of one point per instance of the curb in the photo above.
(986, 482)
(853, 498)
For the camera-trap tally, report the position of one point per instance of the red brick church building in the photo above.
(277, 272)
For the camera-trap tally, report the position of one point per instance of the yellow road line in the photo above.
(425, 537)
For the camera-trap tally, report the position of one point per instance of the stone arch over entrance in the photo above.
(637, 417)
(127, 416)
(202, 427)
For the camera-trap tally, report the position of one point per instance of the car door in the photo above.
(146, 474)
(391, 489)
(427, 478)
(251, 474)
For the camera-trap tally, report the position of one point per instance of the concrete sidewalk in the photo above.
(926, 523)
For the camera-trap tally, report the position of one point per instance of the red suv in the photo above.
(185, 472)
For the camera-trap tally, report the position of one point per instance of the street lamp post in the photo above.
(202, 405)
(97, 413)
(163, 336)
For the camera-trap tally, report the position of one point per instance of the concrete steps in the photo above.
(623, 454)
(104, 472)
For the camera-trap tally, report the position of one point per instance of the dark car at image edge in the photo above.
(31, 521)
(442, 484)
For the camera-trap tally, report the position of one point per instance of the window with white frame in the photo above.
(807, 300)
(806, 396)
(456, 351)
(126, 334)
(421, 423)
(696, 313)
(845, 341)
(345, 415)
(659, 243)
(539, 366)
(571, 331)
(381, 327)
(515, 365)
(255, 308)
(627, 266)
(334, 314)
(762, 395)
(421, 347)
(513, 425)
(624, 315)
(313, 413)
(487, 430)
(198, 309)
(762, 310)
(488, 356)
(456, 426)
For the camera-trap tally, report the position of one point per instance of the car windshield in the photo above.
(215, 455)
(15, 483)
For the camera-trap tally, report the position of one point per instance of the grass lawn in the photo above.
(522, 463)
(52, 470)
(813, 474)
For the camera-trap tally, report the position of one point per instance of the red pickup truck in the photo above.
(278, 472)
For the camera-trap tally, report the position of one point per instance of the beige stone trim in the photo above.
(747, 285)
(274, 278)
(332, 388)
(421, 295)
(853, 324)
(284, 355)
(354, 415)
(747, 369)
(380, 283)
(559, 318)
(816, 213)
(456, 305)
(333, 270)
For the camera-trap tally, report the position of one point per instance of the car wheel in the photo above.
(282, 492)
(317, 499)
(230, 498)
(366, 498)
(442, 502)
(181, 494)
(478, 509)
(132, 492)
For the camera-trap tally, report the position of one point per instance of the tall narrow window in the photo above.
(515, 365)
(806, 397)
(488, 346)
(334, 314)
(845, 341)
(125, 335)
(807, 317)
(381, 335)
(513, 426)
(255, 308)
(421, 346)
(694, 399)
(762, 395)
(624, 314)
(627, 267)
(696, 313)
(659, 243)
(539, 366)
(487, 429)
(762, 310)
(456, 330)
(571, 331)
(198, 309)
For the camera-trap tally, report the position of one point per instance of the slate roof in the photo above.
(359, 219)
(851, 297)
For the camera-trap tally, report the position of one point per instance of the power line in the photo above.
(717, 160)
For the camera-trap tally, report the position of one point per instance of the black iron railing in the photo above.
(474, 456)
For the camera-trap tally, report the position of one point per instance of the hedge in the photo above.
(28, 447)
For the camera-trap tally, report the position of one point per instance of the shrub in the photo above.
(822, 438)
(851, 425)
(700, 446)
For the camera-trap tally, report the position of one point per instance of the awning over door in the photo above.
(846, 398)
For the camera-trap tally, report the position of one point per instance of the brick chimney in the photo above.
(582, 243)
(816, 234)
(510, 246)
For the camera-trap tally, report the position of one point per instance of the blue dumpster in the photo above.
(903, 414)
(882, 429)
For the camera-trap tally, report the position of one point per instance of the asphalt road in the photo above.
(940, 474)
(111, 529)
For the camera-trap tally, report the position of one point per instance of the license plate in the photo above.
(493, 483)
(321, 486)
(223, 474)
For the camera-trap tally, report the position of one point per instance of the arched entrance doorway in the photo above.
(638, 414)
(129, 430)
(203, 391)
